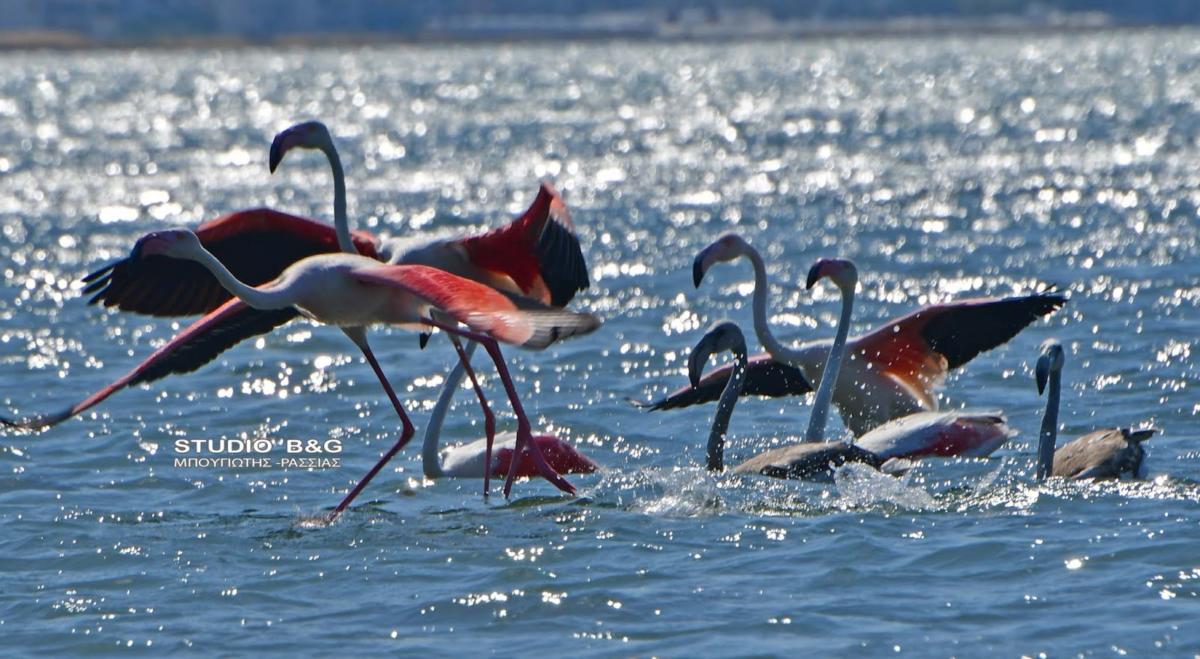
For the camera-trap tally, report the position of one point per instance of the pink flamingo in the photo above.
(814, 458)
(353, 292)
(893, 371)
(536, 255)
(469, 460)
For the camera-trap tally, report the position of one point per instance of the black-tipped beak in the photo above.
(423, 339)
(698, 359)
(276, 153)
(814, 275)
(1042, 373)
(698, 270)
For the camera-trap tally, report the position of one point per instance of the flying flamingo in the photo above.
(468, 460)
(894, 370)
(353, 292)
(1108, 453)
(536, 255)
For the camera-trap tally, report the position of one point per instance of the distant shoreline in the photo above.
(817, 31)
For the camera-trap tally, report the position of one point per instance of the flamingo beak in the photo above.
(278, 148)
(424, 339)
(814, 275)
(1042, 373)
(699, 357)
(699, 268)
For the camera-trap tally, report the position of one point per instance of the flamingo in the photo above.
(918, 435)
(536, 255)
(894, 369)
(814, 458)
(1108, 453)
(469, 460)
(352, 292)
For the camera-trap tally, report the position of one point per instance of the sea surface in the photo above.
(946, 167)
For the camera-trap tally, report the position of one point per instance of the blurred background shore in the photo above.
(189, 23)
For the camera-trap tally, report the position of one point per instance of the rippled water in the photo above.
(946, 168)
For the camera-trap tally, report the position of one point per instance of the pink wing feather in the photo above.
(511, 319)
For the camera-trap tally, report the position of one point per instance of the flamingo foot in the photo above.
(525, 443)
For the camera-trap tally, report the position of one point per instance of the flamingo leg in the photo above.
(358, 335)
(489, 419)
(524, 429)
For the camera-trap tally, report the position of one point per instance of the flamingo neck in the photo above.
(772, 345)
(271, 296)
(1049, 433)
(341, 220)
(430, 456)
(833, 364)
(729, 396)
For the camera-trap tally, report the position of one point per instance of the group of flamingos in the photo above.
(252, 271)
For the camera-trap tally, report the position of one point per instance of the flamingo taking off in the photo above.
(353, 292)
(1108, 453)
(923, 434)
(468, 460)
(536, 255)
(893, 371)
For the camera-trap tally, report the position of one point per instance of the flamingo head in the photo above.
(308, 135)
(173, 243)
(723, 335)
(726, 248)
(1051, 360)
(841, 272)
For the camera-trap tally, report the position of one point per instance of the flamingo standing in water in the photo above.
(948, 433)
(1108, 453)
(469, 460)
(537, 255)
(894, 370)
(353, 292)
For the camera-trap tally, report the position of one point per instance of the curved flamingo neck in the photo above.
(1049, 432)
(431, 463)
(271, 296)
(729, 396)
(833, 365)
(772, 345)
(341, 220)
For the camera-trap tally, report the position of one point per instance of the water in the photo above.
(946, 168)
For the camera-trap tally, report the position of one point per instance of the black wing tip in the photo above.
(562, 263)
(101, 272)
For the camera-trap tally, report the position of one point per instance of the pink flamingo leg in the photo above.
(524, 430)
(489, 419)
(359, 337)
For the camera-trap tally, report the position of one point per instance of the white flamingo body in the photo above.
(941, 434)
(865, 396)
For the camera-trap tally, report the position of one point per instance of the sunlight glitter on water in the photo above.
(947, 168)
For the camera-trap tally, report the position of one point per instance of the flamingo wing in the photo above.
(162, 286)
(916, 350)
(509, 318)
(764, 377)
(197, 345)
(539, 251)
(920, 348)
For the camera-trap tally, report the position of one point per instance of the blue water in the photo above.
(946, 168)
